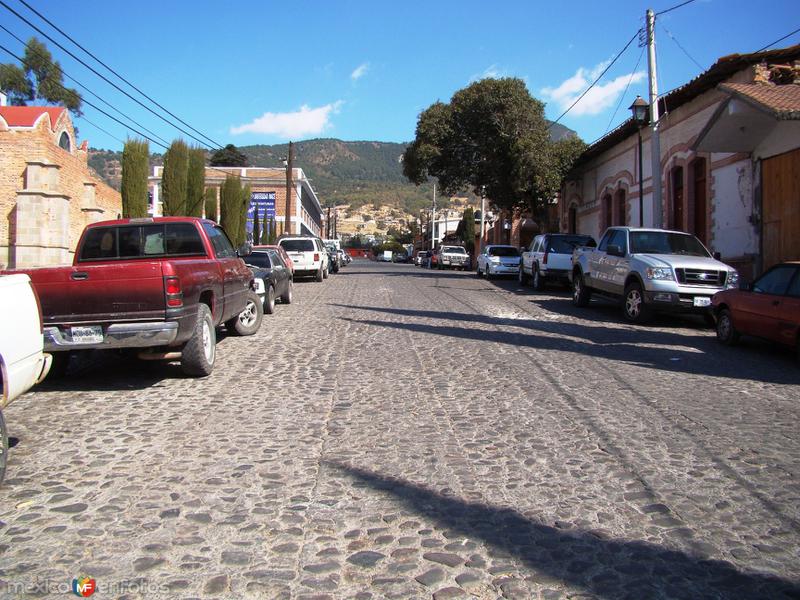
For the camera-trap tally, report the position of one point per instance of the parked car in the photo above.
(385, 256)
(308, 254)
(650, 270)
(768, 308)
(344, 258)
(452, 257)
(22, 361)
(421, 258)
(286, 259)
(273, 279)
(333, 257)
(400, 257)
(160, 285)
(498, 260)
(549, 258)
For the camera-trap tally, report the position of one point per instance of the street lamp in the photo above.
(639, 111)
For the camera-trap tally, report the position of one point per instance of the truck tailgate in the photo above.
(101, 292)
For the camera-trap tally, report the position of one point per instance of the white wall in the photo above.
(732, 234)
(784, 138)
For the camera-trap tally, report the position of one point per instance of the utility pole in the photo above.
(433, 220)
(287, 224)
(483, 217)
(655, 145)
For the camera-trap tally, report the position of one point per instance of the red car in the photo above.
(768, 308)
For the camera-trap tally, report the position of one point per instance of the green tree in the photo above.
(244, 203)
(468, 229)
(230, 201)
(491, 135)
(195, 182)
(211, 203)
(39, 78)
(174, 179)
(135, 160)
(256, 228)
(229, 156)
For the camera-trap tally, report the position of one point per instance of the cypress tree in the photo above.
(256, 228)
(174, 179)
(211, 203)
(229, 203)
(469, 229)
(195, 182)
(135, 157)
(244, 204)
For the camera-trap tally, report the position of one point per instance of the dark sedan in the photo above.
(273, 278)
(768, 308)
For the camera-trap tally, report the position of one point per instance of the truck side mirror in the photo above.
(614, 250)
(245, 249)
(717, 256)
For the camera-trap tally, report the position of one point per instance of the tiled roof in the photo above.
(26, 116)
(782, 101)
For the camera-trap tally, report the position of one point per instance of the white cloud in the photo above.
(291, 125)
(600, 98)
(491, 72)
(359, 71)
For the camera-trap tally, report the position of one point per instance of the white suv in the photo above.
(308, 254)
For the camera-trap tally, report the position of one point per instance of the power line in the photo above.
(663, 12)
(46, 20)
(96, 126)
(97, 108)
(625, 93)
(677, 43)
(777, 41)
(79, 84)
(611, 64)
(104, 78)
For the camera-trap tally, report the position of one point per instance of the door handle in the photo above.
(79, 276)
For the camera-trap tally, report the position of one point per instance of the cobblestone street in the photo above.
(406, 433)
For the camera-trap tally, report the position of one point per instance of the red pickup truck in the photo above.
(160, 285)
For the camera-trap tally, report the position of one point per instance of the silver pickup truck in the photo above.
(650, 270)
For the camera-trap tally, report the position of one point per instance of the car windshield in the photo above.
(566, 244)
(298, 245)
(665, 242)
(453, 250)
(502, 251)
(259, 259)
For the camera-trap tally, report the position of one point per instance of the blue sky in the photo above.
(253, 72)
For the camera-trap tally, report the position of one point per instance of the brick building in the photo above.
(306, 212)
(48, 193)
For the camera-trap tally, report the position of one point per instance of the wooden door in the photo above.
(780, 193)
(700, 206)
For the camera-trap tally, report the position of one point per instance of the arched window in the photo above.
(572, 225)
(64, 141)
(697, 173)
(676, 217)
(619, 207)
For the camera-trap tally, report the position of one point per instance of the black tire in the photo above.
(269, 300)
(325, 272)
(489, 275)
(286, 297)
(633, 304)
(538, 280)
(59, 366)
(581, 293)
(708, 319)
(523, 276)
(726, 332)
(200, 352)
(248, 321)
(3, 447)
(319, 277)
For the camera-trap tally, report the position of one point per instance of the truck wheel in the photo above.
(269, 301)
(249, 320)
(58, 367)
(523, 276)
(325, 273)
(538, 280)
(319, 276)
(581, 293)
(3, 447)
(200, 352)
(726, 332)
(634, 307)
(286, 297)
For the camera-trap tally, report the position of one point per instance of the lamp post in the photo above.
(639, 112)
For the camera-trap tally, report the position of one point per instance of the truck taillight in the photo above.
(172, 287)
(316, 256)
(544, 260)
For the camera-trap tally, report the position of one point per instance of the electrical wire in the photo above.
(106, 79)
(677, 43)
(599, 77)
(79, 84)
(625, 93)
(663, 12)
(62, 32)
(777, 41)
(96, 126)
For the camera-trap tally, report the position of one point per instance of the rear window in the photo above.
(566, 244)
(503, 251)
(141, 241)
(259, 259)
(298, 245)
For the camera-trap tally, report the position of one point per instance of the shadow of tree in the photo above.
(607, 568)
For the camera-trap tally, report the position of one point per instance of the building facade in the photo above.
(267, 185)
(48, 193)
(708, 188)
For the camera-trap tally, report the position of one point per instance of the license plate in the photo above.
(92, 334)
(702, 301)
